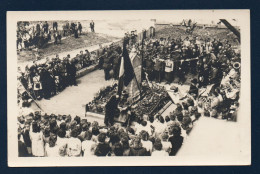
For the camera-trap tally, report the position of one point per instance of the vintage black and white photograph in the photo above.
(153, 87)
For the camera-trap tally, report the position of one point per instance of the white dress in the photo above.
(148, 145)
(61, 143)
(37, 143)
(74, 147)
(52, 151)
(166, 146)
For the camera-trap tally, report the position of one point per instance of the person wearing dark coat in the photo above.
(149, 64)
(46, 80)
(111, 109)
(176, 140)
(22, 150)
(71, 70)
(92, 26)
(106, 66)
(27, 139)
(79, 28)
(55, 26)
(102, 148)
(76, 35)
(193, 88)
(158, 68)
(116, 65)
(45, 27)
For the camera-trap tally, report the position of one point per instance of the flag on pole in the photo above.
(126, 72)
(121, 77)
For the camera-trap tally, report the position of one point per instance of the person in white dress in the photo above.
(74, 144)
(37, 141)
(51, 148)
(62, 142)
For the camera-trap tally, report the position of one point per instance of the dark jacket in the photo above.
(102, 149)
(22, 150)
(176, 142)
(138, 151)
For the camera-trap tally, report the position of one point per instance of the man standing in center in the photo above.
(111, 108)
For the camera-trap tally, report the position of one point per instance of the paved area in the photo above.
(72, 100)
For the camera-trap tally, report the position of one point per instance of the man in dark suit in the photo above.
(79, 28)
(111, 109)
(92, 26)
(55, 26)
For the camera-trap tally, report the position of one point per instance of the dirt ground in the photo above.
(67, 44)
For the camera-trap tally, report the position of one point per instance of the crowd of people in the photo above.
(43, 80)
(52, 135)
(37, 35)
(174, 58)
(214, 92)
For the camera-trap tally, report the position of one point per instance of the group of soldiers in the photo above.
(167, 59)
(47, 79)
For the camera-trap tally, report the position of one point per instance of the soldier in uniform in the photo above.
(106, 66)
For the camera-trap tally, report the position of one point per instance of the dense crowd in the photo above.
(60, 136)
(43, 80)
(51, 77)
(214, 92)
(167, 59)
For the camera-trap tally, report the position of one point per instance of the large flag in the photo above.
(126, 73)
